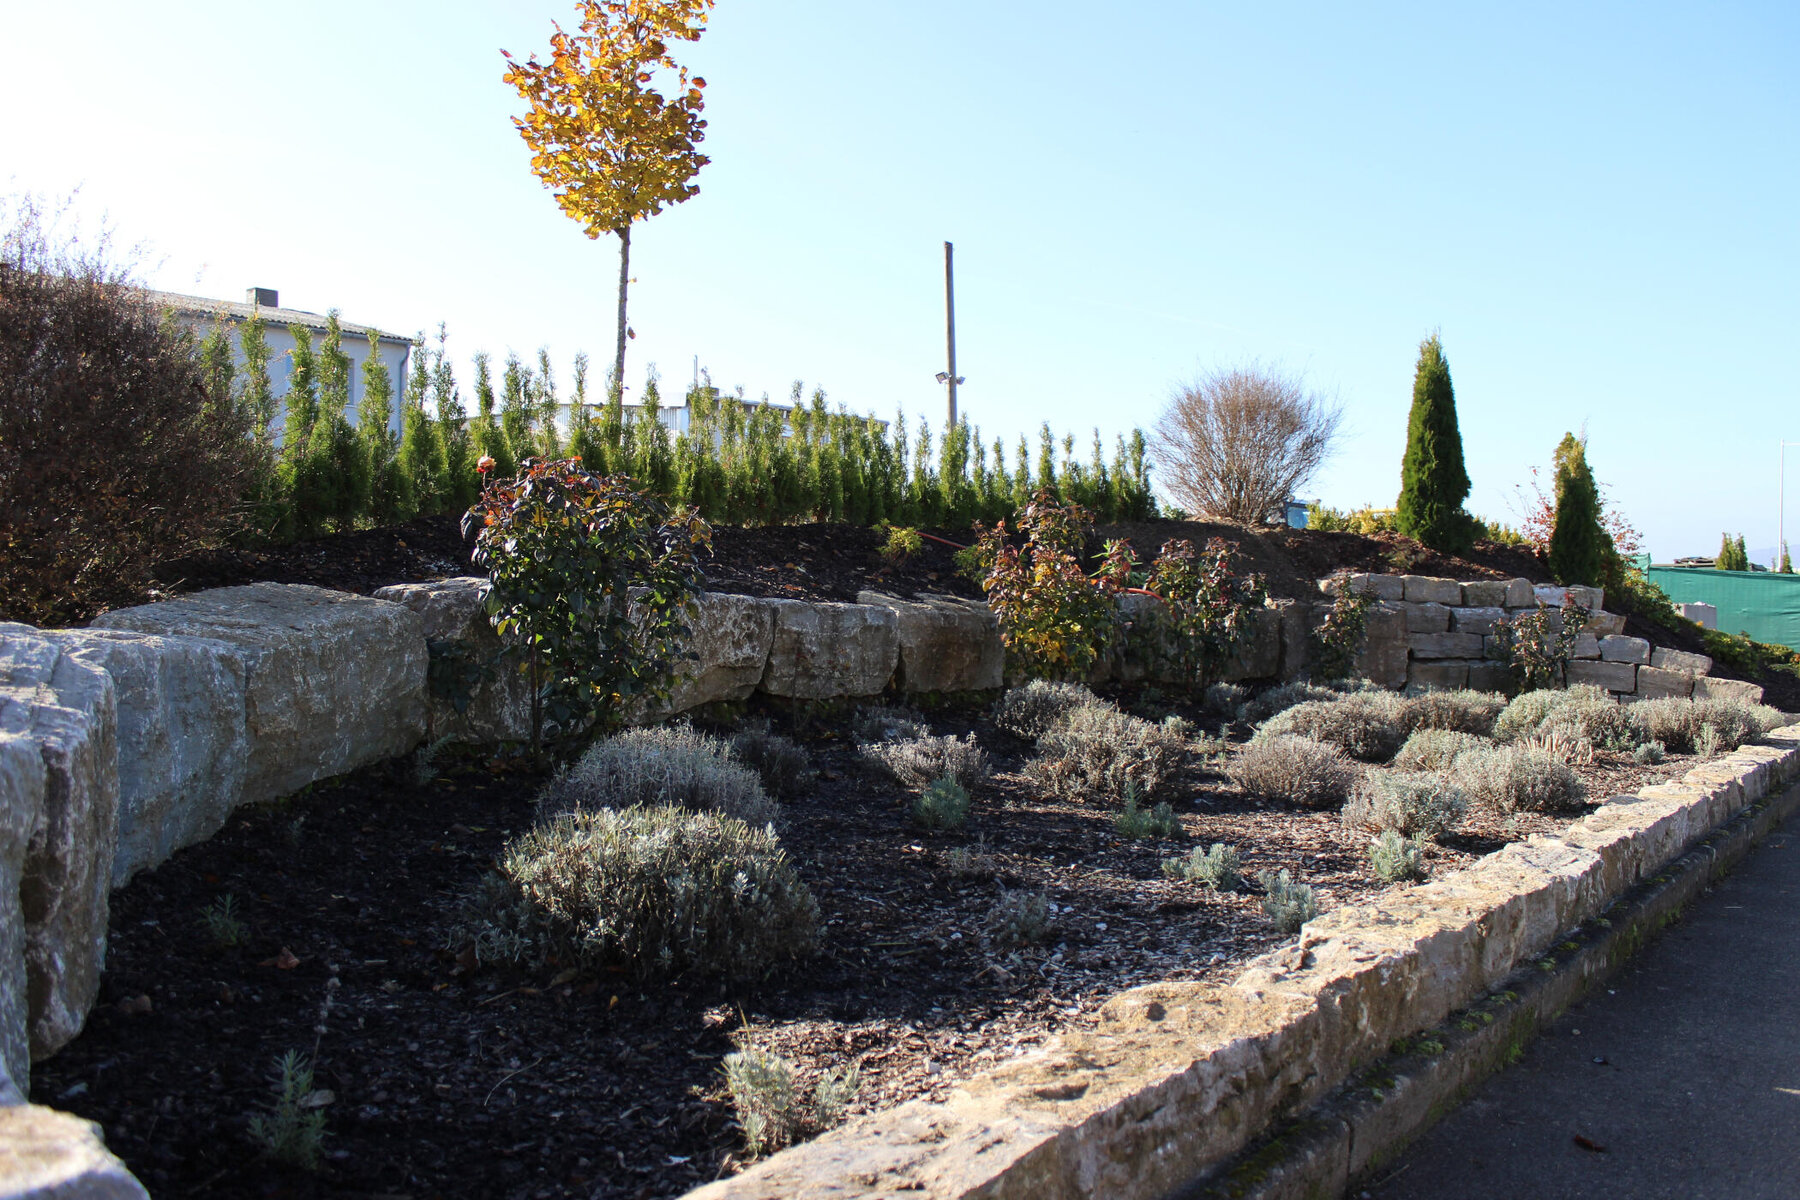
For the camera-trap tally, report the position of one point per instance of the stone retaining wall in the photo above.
(1426, 632)
(1179, 1076)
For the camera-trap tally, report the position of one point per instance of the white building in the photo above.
(201, 313)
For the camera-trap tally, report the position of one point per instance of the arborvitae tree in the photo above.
(298, 469)
(1046, 465)
(218, 367)
(375, 434)
(338, 465)
(1021, 483)
(1433, 481)
(484, 431)
(548, 410)
(258, 394)
(1581, 551)
(652, 460)
(462, 483)
(1787, 564)
(269, 511)
(1739, 555)
(584, 443)
(515, 409)
(955, 496)
(421, 441)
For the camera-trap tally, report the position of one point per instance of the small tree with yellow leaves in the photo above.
(613, 148)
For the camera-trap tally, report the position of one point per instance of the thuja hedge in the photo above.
(740, 461)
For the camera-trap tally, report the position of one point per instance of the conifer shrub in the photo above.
(1218, 868)
(654, 892)
(658, 766)
(1366, 725)
(115, 454)
(1462, 710)
(1029, 712)
(1581, 551)
(1433, 480)
(1410, 803)
(1435, 749)
(1288, 904)
(1287, 769)
(919, 762)
(944, 804)
(1095, 754)
(1519, 778)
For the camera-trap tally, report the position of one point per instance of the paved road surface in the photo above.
(1683, 1079)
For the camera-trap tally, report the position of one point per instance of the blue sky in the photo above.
(1595, 205)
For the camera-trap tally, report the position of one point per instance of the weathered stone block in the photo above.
(1520, 593)
(947, 643)
(1604, 624)
(1427, 618)
(1258, 655)
(1485, 593)
(67, 709)
(1425, 587)
(1680, 660)
(50, 1155)
(1438, 675)
(1476, 620)
(1296, 622)
(333, 681)
(455, 621)
(824, 650)
(1613, 676)
(1445, 645)
(181, 738)
(1383, 657)
(1654, 682)
(22, 784)
(1618, 648)
(1707, 687)
(1591, 598)
(1586, 646)
(1552, 594)
(1382, 587)
(1490, 677)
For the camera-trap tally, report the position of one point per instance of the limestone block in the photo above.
(1706, 687)
(1618, 648)
(947, 643)
(456, 625)
(1427, 618)
(1603, 624)
(1490, 677)
(1551, 594)
(1424, 587)
(1445, 645)
(1296, 622)
(732, 635)
(1144, 649)
(1382, 659)
(50, 1155)
(824, 650)
(1614, 677)
(1680, 660)
(68, 709)
(1382, 587)
(333, 681)
(1520, 593)
(1480, 619)
(1654, 682)
(1591, 598)
(1586, 646)
(1258, 655)
(22, 784)
(181, 737)
(1438, 675)
(1485, 593)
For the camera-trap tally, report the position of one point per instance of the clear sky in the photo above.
(1595, 204)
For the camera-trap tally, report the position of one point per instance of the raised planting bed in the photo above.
(438, 1077)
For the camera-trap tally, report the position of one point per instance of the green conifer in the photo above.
(1581, 551)
(461, 482)
(375, 433)
(1433, 481)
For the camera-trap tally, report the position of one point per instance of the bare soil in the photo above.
(442, 1081)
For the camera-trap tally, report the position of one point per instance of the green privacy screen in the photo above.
(1761, 603)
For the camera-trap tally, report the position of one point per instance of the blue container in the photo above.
(1296, 515)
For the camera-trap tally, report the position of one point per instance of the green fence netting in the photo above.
(1763, 604)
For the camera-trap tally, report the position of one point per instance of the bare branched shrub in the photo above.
(920, 762)
(1239, 443)
(1410, 803)
(670, 764)
(1096, 753)
(1294, 770)
(1028, 712)
(114, 453)
(651, 891)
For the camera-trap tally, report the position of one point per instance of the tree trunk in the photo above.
(624, 284)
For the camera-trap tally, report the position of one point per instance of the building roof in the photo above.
(238, 310)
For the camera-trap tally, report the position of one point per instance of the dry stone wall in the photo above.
(1425, 632)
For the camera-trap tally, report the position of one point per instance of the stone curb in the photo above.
(1178, 1078)
(1351, 1135)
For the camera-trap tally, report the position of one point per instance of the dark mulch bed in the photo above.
(445, 1082)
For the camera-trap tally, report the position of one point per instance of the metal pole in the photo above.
(950, 329)
(1781, 505)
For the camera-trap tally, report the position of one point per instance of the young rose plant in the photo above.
(594, 582)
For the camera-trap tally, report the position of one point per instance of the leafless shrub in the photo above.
(1238, 443)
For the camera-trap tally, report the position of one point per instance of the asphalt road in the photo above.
(1681, 1081)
